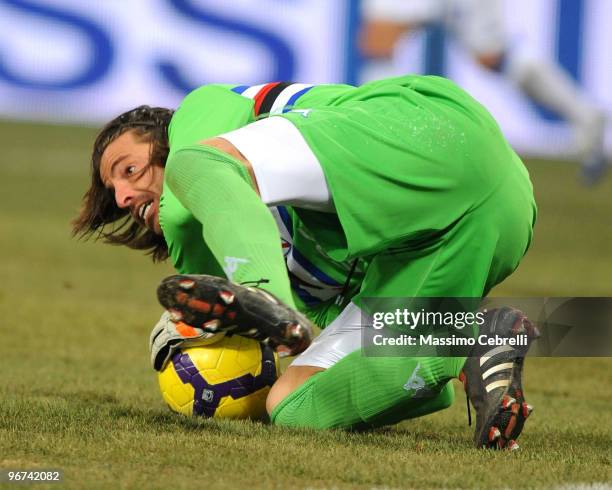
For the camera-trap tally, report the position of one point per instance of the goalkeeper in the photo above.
(309, 199)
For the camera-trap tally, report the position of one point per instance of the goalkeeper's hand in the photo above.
(168, 337)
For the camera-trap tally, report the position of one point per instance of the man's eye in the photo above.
(130, 170)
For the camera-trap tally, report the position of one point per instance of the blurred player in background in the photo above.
(480, 28)
(310, 199)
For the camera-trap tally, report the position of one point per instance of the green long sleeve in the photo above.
(236, 225)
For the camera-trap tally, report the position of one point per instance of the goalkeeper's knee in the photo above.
(291, 380)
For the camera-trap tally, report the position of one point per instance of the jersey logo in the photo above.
(303, 112)
(273, 98)
(231, 266)
(415, 382)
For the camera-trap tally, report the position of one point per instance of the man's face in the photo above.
(126, 169)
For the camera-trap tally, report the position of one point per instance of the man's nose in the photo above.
(124, 195)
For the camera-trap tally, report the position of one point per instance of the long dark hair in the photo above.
(99, 207)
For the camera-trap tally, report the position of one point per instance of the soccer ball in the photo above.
(229, 378)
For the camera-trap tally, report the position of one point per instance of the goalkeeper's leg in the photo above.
(361, 392)
(339, 387)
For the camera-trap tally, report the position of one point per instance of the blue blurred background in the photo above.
(71, 61)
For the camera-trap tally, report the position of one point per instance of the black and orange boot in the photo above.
(492, 377)
(215, 304)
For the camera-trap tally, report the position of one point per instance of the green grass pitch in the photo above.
(77, 392)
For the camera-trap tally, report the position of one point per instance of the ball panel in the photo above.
(254, 405)
(178, 395)
(206, 357)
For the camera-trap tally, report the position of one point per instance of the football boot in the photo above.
(492, 378)
(216, 304)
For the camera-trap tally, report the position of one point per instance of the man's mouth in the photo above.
(145, 210)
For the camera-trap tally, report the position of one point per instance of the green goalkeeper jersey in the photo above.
(316, 279)
(405, 160)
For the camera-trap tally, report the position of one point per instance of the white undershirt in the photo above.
(286, 169)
